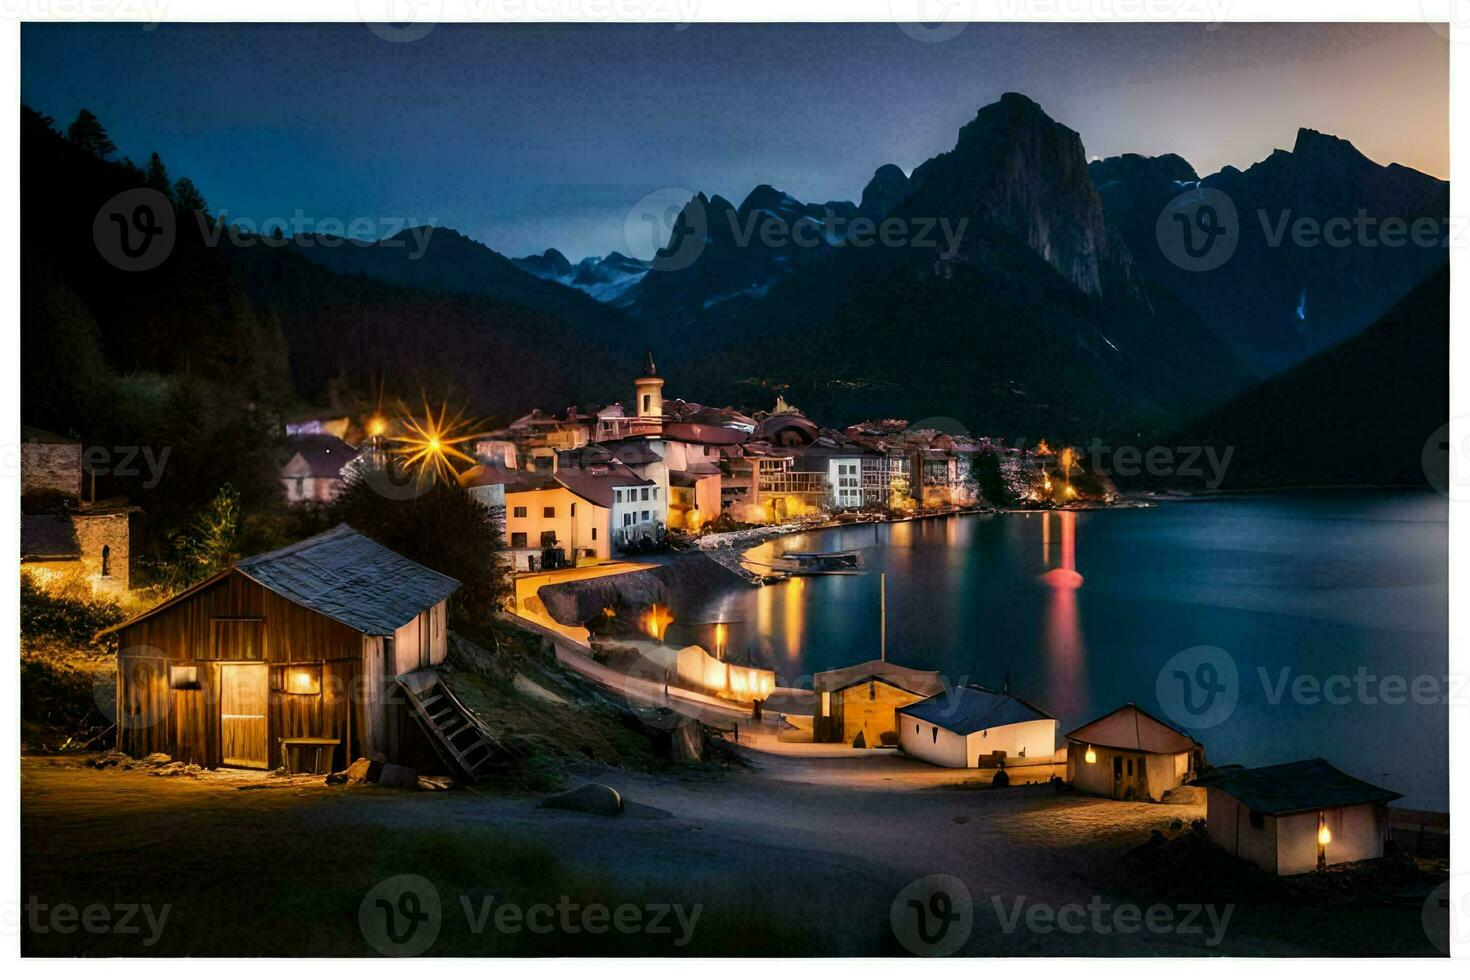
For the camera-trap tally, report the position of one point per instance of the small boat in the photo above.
(820, 562)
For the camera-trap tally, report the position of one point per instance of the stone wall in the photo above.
(111, 530)
(51, 466)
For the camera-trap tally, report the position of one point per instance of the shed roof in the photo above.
(1132, 728)
(47, 537)
(921, 682)
(595, 484)
(973, 708)
(1295, 787)
(342, 574)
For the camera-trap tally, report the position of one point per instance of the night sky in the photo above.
(529, 136)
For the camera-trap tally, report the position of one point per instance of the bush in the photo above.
(68, 615)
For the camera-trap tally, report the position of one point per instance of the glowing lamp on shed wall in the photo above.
(1091, 756)
(1324, 836)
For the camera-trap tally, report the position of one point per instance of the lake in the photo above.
(1329, 607)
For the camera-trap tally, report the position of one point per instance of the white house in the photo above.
(318, 467)
(1296, 817)
(962, 727)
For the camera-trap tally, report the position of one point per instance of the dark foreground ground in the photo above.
(792, 857)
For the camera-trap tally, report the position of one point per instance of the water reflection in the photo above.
(1064, 650)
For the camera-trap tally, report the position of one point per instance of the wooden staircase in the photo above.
(469, 751)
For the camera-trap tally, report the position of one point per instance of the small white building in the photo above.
(1296, 817)
(966, 726)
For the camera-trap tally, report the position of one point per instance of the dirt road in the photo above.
(796, 855)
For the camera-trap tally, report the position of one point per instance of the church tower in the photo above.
(648, 396)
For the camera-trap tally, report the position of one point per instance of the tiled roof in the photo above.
(973, 708)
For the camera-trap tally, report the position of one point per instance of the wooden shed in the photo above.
(296, 649)
(865, 698)
(1129, 754)
(1296, 817)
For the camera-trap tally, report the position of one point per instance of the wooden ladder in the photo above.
(466, 748)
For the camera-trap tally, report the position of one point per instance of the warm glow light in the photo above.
(431, 444)
(1091, 756)
(1324, 836)
(376, 426)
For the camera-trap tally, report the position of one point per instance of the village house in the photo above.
(1128, 754)
(1296, 817)
(289, 652)
(863, 700)
(575, 514)
(975, 727)
(319, 465)
(64, 538)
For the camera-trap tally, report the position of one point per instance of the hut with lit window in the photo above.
(1296, 817)
(864, 700)
(292, 657)
(1129, 754)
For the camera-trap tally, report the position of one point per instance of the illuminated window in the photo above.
(826, 702)
(304, 679)
(183, 678)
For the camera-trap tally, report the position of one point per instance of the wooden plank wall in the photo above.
(236, 620)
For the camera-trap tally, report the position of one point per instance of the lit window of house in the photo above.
(304, 679)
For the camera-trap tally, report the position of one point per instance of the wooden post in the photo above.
(883, 616)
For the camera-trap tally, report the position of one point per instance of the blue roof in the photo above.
(973, 708)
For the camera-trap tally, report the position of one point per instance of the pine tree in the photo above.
(156, 176)
(87, 132)
(187, 196)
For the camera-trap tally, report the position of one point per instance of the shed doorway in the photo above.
(244, 697)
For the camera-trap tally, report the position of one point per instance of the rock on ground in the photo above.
(588, 798)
